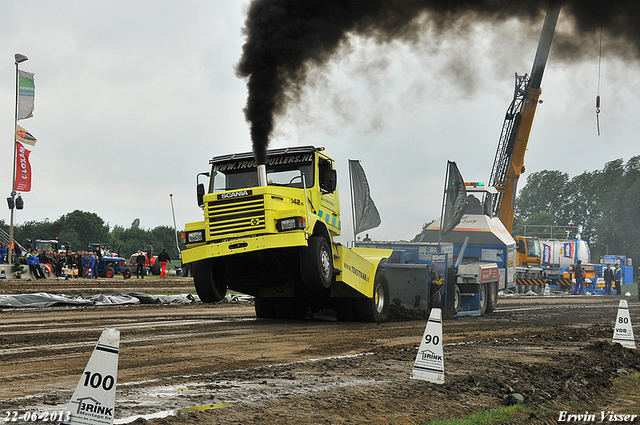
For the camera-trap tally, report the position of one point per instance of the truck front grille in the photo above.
(231, 217)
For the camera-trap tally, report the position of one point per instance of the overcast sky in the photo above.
(133, 98)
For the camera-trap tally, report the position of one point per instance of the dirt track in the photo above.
(306, 372)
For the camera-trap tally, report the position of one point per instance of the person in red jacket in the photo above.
(163, 257)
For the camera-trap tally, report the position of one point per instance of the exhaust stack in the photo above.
(262, 175)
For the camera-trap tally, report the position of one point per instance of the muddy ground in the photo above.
(210, 364)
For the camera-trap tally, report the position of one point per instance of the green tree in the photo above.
(544, 192)
(538, 224)
(81, 228)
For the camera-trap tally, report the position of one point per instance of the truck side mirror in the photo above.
(200, 194)
(330, 181)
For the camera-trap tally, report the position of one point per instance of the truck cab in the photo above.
(528, 253)
(252, 236)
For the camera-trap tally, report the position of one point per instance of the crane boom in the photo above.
(512, 146)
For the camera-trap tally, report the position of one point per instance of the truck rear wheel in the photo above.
(456, 301)
(208, 287)
(264, 308)
(316, 264)
(290, 308)
(345, 310)
(376, 309)
(492, 296)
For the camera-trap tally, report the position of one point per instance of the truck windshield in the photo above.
(533, 247)
(285, 170)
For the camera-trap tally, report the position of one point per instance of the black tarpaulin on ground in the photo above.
(43, 299)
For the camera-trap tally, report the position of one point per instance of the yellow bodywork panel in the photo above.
(236, 246)
(359, 267)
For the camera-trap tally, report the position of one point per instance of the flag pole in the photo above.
(175, 229)
(19, 58)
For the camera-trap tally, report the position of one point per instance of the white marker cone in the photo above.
(623, 332)
(94, 400)
(429, 364)
(547, 290)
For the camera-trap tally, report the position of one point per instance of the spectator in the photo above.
(608, 279)
(80, 264)
(140, 260)
(617, 276)
(3, 252)
(85, 264)
(163, 257)
(34, 265)
(93, 263)
(579, 288)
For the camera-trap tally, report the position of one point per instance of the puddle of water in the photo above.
(152, 399)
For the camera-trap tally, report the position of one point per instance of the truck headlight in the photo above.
(195, 237)
(292, 223)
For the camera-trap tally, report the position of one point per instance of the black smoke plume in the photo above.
(287, 38)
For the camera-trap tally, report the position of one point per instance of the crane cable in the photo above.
(598, 95)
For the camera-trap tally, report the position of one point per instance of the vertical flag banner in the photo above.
(455, 198)
(23, 169)
(546, 253)
(26, 94)
(366, 213)
(568, 250)
(24, 136)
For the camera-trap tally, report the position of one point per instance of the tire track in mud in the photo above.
(235, 355)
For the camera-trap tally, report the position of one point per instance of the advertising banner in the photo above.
(23, 169)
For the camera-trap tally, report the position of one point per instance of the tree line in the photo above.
(78, 229)
(600, 206)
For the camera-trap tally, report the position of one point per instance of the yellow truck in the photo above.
(269, 231)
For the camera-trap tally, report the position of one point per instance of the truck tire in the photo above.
(208, 287)
(316, 264)
(482, 291)
(155, 269)
(492, 296)
(264, 308)
(126, 274)
(290, 308)
(345, 309)
(109, 272)
(456, 301)
(375, 309)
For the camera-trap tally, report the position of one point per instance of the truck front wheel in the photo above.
(210, 289)
(316, 264)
